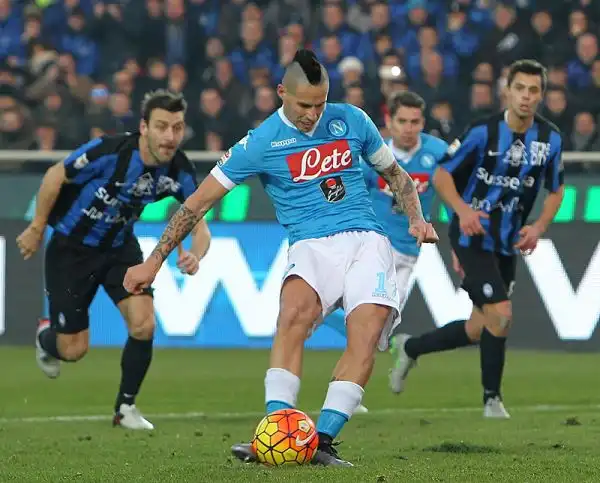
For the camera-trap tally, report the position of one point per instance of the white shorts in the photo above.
(405, 265)
(347, 270)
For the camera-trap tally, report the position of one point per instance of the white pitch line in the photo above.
(257, 414)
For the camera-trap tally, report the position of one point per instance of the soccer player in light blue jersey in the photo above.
(418, 154)
(307, 155)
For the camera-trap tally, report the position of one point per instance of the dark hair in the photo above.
(405, 99)
(162, 99)
(310, 65)
(529, 67)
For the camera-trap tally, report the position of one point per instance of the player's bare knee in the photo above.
(499, 316)
(142, 328)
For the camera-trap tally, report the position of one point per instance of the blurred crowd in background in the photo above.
(75, 69)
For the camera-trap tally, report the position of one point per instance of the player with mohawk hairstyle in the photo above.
(307, 157)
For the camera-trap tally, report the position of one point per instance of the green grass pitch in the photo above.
(202, 401)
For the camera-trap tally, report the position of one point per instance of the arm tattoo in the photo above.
(405, 193)
(182, 222)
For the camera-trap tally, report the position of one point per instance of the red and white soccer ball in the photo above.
(285, 437)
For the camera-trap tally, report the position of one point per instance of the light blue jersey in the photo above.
(420, 165)
(314, 180)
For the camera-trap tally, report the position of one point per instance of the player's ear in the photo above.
(280, 91)
(143, 127)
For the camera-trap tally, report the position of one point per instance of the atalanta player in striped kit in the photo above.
(491, 177)
(92, 199)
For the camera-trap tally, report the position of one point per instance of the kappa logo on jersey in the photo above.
(284, 143)
(421, 181)
(319, 161)
(333, 189)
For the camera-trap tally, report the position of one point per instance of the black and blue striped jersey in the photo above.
(109, 186)
(500, 172)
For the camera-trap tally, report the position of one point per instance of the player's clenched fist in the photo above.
(139, 278)
(424, 232)
(30, 240)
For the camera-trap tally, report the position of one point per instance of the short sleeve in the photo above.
(555, 172)
(240, 162)
(370, 136)
(463, 151)
(87, 161)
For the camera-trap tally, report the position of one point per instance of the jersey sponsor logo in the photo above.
(95, 214)
(337, 128)
(283, 143)
(421, 180)
(539, 153)
(319, 161)
(102, 194)
(81, 162)
(333, 189)
(512, 182)
(166, 183)
(506, 207)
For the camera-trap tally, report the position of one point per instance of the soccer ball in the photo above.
(285, 437)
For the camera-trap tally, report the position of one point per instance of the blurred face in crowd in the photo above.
(177, 78)
(214, 48)
(331, 48)
(157, 69)
(4, 9)
(265, 100)
(524, 94)
(303, 103)
(7, 102)
(287, 49)
(123, 82)
(355, 96)
(175, 9)
(432, 64)
(352, 76)
(417, 15)
(66, 63)
(119, 104)
(556, 101)
(211, 102)
(383, 44)
(53, 102)
(442, 111)
(296, 31)
(46, 137)
(380, 16)
(224, 72)
(584, 124)
(33, 27)
(132, 66)
(428, 38)
(163, 133)
(252, 34)
(333, 16)
(481, 96)
(484, 72)
(12, 121)
(154, 8)
(587, 48)
(252, 12)
(557, 77)
(596, 73)
(405, 126)
(76, 22)
(541, 22)
(578, 23)
(504, 16)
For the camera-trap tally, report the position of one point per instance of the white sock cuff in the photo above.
(343, 397)
(281, 385)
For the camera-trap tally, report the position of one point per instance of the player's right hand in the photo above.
(30, 240)
(139, 278)
(470, 221)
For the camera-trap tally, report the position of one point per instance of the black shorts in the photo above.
(489, 276)
(73, 274)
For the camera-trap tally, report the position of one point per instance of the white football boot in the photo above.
(48, 364)
(494, 409)
(129, 417)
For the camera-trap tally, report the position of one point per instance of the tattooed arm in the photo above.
(400, 183)
(405, 192)
(187, 218)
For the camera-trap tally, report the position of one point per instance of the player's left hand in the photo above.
(528, 239)
(187, 262)
(424, 232)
